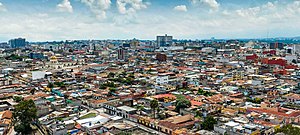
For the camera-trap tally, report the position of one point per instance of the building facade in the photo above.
(17, 43)
(163, 41)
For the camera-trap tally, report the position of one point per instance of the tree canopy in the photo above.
(154, 105)
(289, 130)
(182, 102)
(24, 114)
(205, 93)
(208, 123)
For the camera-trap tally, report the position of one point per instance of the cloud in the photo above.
(294, 8)
(248, 12)
(65, 6)
(131, 6)
(212, 4)
(279, 19)
(181, 8)
(270, 5)
(2, 7)
(98, 7)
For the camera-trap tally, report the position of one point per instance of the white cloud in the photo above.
(270, 5)
(212, 4)
(98, 7)
(294, 8)
(250, 12)
(226, 12)
(65, 6)
(181, 8)
(279, 19)
(131, 6)
(2, 7)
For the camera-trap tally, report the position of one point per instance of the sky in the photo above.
(48, 20)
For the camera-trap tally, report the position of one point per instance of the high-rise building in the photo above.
(163, 41)
(276, 45)
(121, 54)
(17, 43)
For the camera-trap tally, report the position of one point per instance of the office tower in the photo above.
(17, 43)
(122, 54)
(163, 41)
(276, 45)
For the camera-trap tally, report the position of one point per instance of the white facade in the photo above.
(297, 48)
(290, 58)
(162, 79)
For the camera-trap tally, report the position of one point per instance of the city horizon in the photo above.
(150, 67)
(215, 38)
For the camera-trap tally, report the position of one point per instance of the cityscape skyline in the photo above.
(55, 20)
(150, 67)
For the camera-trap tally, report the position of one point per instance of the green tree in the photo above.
(205, 93)
(111, 75)
(50, 85)
(59, 84)
(208, 123)
(32, 91)
(143, 82)
(140, 107)
(24, 114)
(154, 105)
(17, 98)
(112, 90)
(289, 130)
(198, 113)
(182, 102)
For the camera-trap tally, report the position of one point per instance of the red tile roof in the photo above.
(261, 110)
(196, 103)
(163, 96)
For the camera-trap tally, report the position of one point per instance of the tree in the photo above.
(24, 114)
(32, 91)
(182, 102)
(205, 93)
(143, 82)
(50, 85)
(208, 123)
(59, 84)
(154, 105)
(112, 90)
(17, 98)
(198, 113)
(111, 75)
(288, 130)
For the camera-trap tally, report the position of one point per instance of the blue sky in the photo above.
(41, 20)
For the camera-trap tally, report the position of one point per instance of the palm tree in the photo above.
(154, 105)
